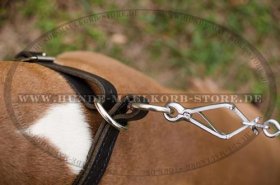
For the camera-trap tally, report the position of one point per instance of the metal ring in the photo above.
(107, 117)
(276, 124)
(179, 111)
(148, 107)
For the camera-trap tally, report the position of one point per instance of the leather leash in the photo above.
(106, 135)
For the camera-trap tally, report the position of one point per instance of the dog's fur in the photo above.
(149, 144)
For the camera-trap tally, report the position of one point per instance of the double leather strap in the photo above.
(106, 135)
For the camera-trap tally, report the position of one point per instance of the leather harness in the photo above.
(106, 135)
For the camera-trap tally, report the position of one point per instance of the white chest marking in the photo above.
(65, 126)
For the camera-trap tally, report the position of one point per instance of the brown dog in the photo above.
(150, 152)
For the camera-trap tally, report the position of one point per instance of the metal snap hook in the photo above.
(276, 124)
(176, 107)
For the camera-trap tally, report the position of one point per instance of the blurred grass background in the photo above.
(257, 21)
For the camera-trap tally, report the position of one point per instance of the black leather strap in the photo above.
(78, 80)
(104, 139)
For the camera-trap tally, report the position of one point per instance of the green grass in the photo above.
(197, 50)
